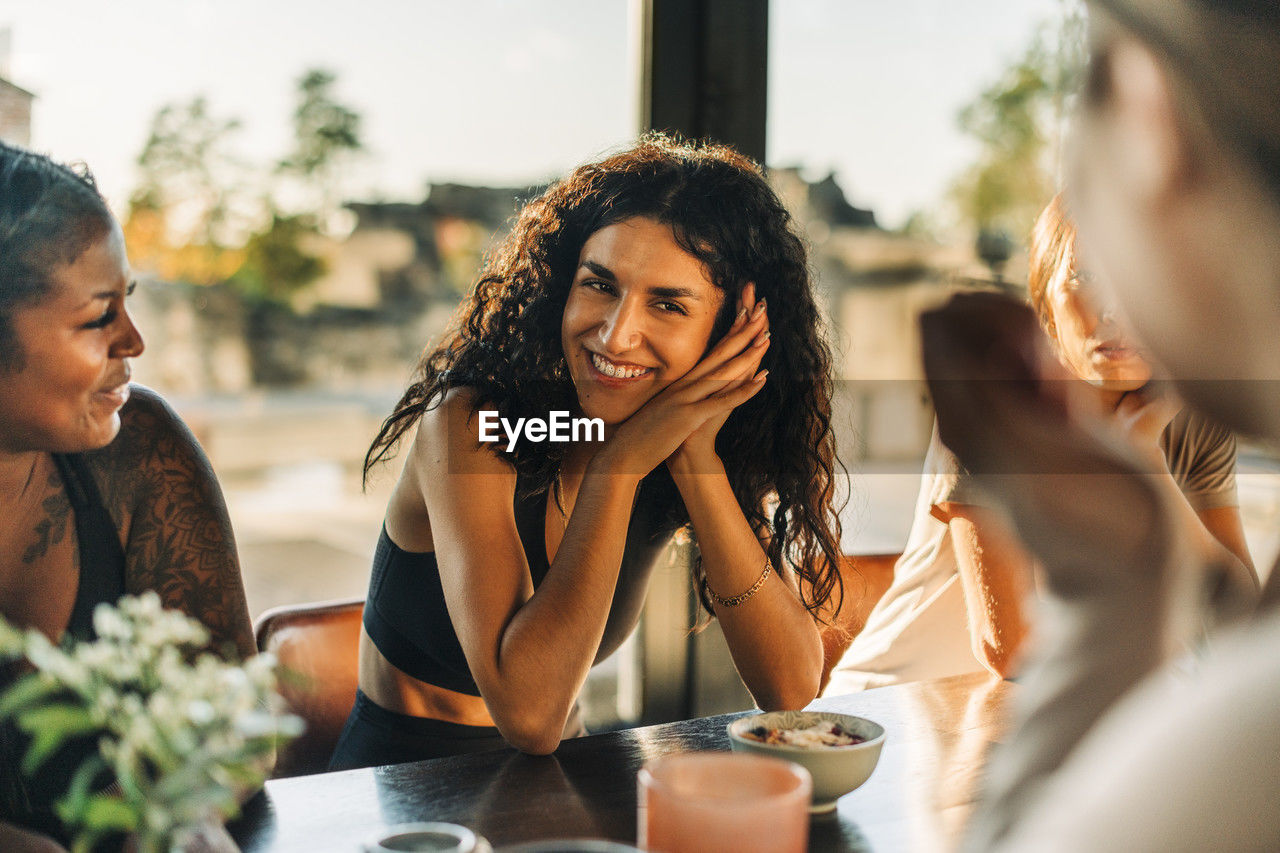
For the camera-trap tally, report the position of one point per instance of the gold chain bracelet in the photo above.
(738, 599)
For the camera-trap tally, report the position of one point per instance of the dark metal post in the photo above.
(705, 70)
(704, 75)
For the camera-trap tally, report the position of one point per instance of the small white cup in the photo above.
(434, 837)
(570, 845)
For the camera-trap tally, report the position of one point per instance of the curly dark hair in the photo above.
(778, 448)
(49, 214)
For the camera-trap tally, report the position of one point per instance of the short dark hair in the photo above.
(49, 214)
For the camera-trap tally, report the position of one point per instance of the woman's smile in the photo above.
(78, 342)
(618, 372)
(639, 315)
(116, 394)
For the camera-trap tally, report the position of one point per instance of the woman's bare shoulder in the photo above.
(449, 434)
(161, 490)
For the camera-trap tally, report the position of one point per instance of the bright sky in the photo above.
(508, 91)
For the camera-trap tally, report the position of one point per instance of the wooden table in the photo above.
(938, 734)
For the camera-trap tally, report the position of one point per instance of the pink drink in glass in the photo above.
(721, 802)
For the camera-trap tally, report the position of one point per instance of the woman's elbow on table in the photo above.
(793, 694)
(533, 740)
(1001, 660)
(531, 730)
(787, 702)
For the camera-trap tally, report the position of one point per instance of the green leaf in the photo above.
(72, 719)
(244, 774)
(110, 814)
(51, 727)
(86, 841)
(43, 746)
(25, 692)
(70, 809)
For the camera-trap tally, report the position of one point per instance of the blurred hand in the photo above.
(1082, 498)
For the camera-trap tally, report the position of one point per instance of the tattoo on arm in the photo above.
(179, 540)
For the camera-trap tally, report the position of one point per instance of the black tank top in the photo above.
(28, 801)
(406, 617)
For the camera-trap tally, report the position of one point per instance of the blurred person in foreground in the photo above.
(103, 490)
(1176, 188)
(961, 599)
(633, 292)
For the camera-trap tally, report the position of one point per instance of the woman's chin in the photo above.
(1122, 383)
(611, 416)
(612, 408)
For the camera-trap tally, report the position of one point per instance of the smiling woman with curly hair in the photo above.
(633, 293)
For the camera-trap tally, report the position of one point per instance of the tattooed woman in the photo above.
(103, 490)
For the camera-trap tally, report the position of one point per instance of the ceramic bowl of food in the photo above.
(840, 751)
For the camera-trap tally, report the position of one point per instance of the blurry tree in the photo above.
(192, 218)
(1019, 122)
(276, 263)
(187, 220)
(326, 135)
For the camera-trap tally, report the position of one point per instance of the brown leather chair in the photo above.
(866, 579)
(317, 646)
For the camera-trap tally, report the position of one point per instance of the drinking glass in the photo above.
(722, 802)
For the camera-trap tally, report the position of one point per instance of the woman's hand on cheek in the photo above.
(692, 409)
(749, 335)
(1143, 414)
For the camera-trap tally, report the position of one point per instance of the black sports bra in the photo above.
(406, 616)
(29, 800)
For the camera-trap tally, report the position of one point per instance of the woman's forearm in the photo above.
(774, 641)
(995, 574)
(1217, 538)
(550, 643)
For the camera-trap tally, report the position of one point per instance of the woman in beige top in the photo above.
(1176, 186)
(960, 600)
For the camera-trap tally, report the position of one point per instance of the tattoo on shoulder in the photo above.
(161, 489)
(52, 528)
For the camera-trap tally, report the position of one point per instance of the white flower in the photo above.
(201, 712)
(174, 726)
(108, 623)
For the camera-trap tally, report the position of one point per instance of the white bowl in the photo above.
(836, 770)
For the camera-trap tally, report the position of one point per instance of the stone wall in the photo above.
(212, 341)
(196, 339)
(15, 114)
